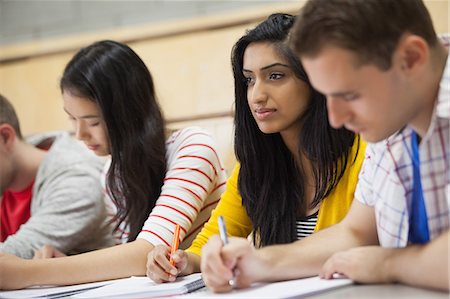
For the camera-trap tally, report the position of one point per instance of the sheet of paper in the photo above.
(285, 289)
(138, 287)
(51, 291)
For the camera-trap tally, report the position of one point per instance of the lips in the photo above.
(92, 147)
(356, 130)
(264, 113)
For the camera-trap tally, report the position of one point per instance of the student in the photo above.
(43, 190)
(296, 174)
(154, 181)
(388, 81)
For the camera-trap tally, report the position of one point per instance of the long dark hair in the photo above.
(270, 182)
(112, 75)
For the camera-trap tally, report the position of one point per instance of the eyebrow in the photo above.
(84, 116)
(341, 94)
(268, 67)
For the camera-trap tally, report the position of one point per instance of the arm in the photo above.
(417, 265)
(192, 187)
(422, 265)
(187, 262)
(67, 213)
(281, 262)
(97, 265)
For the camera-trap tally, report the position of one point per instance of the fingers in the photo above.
(335, 266)
(215, 272)
(159, 268)
(46, 252)
(57, 253)
(37, 254)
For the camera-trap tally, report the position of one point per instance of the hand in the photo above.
(13, 272)
(220, 263)
(362, 264)
(47, 252)
(158, 264)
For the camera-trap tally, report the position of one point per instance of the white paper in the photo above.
(136, 287)
(51, 291)
(285, 289)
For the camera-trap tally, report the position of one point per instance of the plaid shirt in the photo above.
(386, 177)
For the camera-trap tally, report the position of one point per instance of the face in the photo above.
(88, 123)
(7, 161)
(276, 97)
(362, 98)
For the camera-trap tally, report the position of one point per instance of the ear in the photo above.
(413, 54)
(7, 136)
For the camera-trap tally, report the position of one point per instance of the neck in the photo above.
(28, 158)
(422, 121)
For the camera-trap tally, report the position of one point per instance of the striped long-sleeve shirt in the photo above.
(194, 182)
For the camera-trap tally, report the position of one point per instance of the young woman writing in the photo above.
(296, 174)
(155, 180)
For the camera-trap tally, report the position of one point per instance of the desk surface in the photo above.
(379, 291)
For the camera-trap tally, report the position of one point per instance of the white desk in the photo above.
(379, 292)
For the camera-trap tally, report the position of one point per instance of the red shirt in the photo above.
(14, 211)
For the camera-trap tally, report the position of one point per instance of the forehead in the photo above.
(78, 106)
(333, 68)
(260, 54)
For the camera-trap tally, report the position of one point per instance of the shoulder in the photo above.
(72, 149)
(193, 145)
(189, 135)
(69, 154)
(191, 140)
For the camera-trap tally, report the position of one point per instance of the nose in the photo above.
(80, 130)
(338, 112)
(256, 93)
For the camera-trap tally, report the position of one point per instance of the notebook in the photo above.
(143, 287)
(53, 292)
(297, 288)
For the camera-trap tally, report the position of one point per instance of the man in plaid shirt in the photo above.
(386, 77)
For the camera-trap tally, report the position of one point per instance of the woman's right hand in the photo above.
(159, 268)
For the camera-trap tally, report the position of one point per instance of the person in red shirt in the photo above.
(48, 192)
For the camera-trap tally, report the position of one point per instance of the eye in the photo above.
(94, 124)
(276, 76)
(249, 81)
(351, 96)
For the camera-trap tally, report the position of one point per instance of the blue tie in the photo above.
(418, 221)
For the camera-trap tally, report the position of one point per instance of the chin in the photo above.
(269, 131)
(373, 138)
(101, 153)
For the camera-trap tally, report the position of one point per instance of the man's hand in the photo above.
(362, 264)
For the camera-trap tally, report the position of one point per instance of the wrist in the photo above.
(391, 265)
(266, 267)
(192, 264)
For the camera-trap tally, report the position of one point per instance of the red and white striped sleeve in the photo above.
(194, 181)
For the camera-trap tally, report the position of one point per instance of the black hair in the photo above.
(112, 75)
(270, 182)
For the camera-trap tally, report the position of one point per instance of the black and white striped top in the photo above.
(305, 226)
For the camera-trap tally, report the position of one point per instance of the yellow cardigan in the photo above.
(332, 209)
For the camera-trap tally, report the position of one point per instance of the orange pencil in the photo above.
(175, 243)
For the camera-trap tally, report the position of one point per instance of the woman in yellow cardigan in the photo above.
(295, 175)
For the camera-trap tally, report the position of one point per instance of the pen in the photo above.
(175, 243)
(224, 238)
